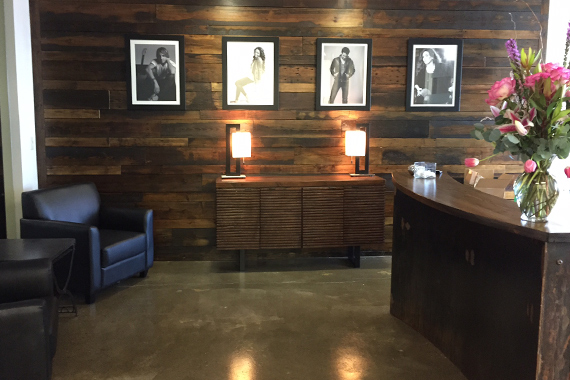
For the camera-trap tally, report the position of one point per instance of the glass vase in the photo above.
(536, 193)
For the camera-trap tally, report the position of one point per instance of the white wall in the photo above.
(17, 106)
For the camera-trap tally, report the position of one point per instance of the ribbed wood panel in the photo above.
(364, 215)
(237, 213)
(281, 218)
(322, 217)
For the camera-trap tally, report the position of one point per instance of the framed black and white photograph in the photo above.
(250, 73)
(434, 74)
(155, 72)
(344, 67)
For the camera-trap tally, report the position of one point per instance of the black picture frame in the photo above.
(250, 83)
(434, 86)
(331, 91)
(141, 52)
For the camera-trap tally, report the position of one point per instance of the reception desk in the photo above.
(492, 292)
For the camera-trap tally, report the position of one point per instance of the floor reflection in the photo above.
(242, 367)
(350, 363)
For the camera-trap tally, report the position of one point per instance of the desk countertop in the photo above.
(447, 195)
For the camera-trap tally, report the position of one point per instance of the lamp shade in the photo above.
(355, 143)
(241, 144)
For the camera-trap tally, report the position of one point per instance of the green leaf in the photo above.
(550, 109)
(524, 57)
(512, 138)
(479, 126)
(476, 134)
(537, 56)
(560, 115)
(495, 135)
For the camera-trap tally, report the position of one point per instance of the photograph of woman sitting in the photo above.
(257, 68)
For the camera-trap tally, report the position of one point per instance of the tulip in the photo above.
(567, 171)
(530, 166)
(471, 162)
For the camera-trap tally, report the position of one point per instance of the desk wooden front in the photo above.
(492, 292)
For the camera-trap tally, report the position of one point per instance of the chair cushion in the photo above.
(120, 245)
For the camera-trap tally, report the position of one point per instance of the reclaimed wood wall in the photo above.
(168, 161)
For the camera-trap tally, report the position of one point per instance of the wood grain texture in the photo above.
(85, 131)
(440, 285)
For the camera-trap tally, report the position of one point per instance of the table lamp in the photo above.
(238, 146)
(357, 144)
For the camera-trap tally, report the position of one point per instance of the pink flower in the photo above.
(520, 128)
(500, 91)
(567, 171)
(471, 162)
(530, 166)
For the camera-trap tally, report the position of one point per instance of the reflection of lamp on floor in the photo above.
(239, 143)
(357, 144)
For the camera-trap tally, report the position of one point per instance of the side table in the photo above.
(59, 251)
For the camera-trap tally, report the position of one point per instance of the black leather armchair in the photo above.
(111, 244)
(28, 319)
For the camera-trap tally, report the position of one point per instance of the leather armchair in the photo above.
(28, 319)
(111, 244)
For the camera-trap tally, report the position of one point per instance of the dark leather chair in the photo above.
(28, 319)
(111, 244)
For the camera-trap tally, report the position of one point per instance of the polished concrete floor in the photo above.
(298, 319)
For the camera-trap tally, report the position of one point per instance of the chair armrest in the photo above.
(25, 279)
(24, 340)
(87, 256)
(131, 219)
(126, 219)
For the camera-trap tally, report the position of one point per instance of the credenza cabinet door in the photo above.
(363, 215)
(281, 217)
(323, 213)
(238, 218)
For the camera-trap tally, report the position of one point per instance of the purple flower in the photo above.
(513, 50)
(568, 32)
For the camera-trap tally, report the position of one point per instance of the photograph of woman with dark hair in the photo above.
(433, 80)
(257, 68)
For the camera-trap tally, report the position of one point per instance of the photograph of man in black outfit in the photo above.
(344, 65)
(342, 68)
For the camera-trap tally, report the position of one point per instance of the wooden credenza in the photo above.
(489, 290)
(316, 211)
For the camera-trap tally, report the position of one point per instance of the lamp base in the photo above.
(242, 176)
(361, 175)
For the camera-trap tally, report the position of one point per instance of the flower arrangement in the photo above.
(531, 120)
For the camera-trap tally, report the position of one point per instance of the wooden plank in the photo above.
(234, 15)
(82, 70)
(415, 5)
(76, 99)
(449, 19)
(50, 113)
(63, 12)
(89, 42)
(129, 141)
(83, 170)
(77, 141)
